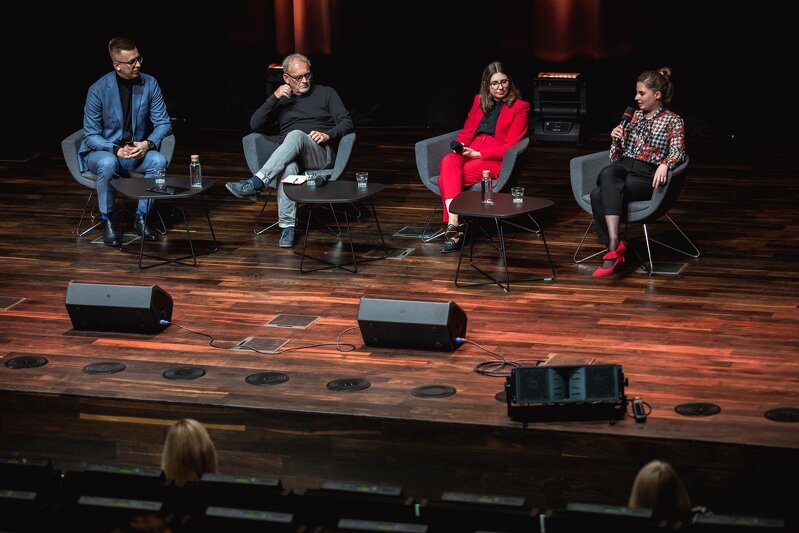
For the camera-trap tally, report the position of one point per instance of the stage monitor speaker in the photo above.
(570, 392)
(565, 384)
(411, 324)
(122, 308)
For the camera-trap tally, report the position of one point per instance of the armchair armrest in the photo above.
(430, 152)
(257, 149)
(343, 154)
(583, 172)
(512, 163)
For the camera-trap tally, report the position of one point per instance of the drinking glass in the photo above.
(309, 178)
(160, 179)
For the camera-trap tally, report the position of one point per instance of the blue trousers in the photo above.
(108, 166)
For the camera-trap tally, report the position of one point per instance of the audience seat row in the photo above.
(34, 496)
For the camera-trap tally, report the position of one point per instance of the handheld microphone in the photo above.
(456, 146)
(627, 116)
(317, 180)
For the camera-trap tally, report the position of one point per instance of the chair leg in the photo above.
(260, 231)
(356, 211)
(440, 233)
(582, 240)
(651, 269)
(162, 229)
(693, 252)
(78, 231)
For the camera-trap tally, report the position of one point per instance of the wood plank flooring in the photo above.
(723, 331)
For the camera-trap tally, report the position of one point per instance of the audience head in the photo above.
(188, 452)
(658, 487)
(503, 89)
(144, 523)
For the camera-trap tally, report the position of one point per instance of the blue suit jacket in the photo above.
(102, 115)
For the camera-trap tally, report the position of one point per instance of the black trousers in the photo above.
(628, 180)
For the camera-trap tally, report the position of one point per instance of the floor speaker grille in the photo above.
(27, 361)
(184, 372)
(433, 391)
(267, 378)
(105, 367)
(349, 384)
(783, 414)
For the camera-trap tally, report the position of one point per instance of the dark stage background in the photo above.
(410, 63)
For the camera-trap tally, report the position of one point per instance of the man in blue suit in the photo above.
(124, 121)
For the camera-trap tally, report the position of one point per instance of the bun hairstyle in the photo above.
(659, 80)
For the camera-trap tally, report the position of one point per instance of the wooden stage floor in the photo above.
(723, 332)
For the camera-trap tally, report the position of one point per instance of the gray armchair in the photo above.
(70, 147)
(258, 147)
(430, 152)
(584, 171)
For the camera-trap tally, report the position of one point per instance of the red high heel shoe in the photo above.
(617, 255)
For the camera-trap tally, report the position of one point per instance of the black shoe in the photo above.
(454, 239)
(143, 230)
(110, 235)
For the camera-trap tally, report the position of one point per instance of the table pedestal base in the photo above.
(351, 266)
(503, 283)
(177, 260)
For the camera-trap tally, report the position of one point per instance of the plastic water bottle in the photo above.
(196, 172)
(487, 187)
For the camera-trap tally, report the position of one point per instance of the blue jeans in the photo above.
(108, 166)
(296, 152)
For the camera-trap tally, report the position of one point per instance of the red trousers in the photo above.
(459, 172)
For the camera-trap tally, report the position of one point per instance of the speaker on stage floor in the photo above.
(568, 392)
(122, 308)
(411, 324)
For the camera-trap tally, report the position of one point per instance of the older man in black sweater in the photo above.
(312, 120)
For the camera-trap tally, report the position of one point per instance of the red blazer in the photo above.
(511, 128)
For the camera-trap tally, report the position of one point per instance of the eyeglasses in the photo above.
(306, 77)
(132, 62)
(499, 83)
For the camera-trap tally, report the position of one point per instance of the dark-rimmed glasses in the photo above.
(132, 62)
(306, 77)
(498, 83)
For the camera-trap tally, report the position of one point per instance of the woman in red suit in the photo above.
(497, 120)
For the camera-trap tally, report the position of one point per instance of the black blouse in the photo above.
(488, 124)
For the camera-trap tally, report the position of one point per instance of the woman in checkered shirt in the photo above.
(642, 153)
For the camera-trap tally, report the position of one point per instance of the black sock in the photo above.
(257, 183)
